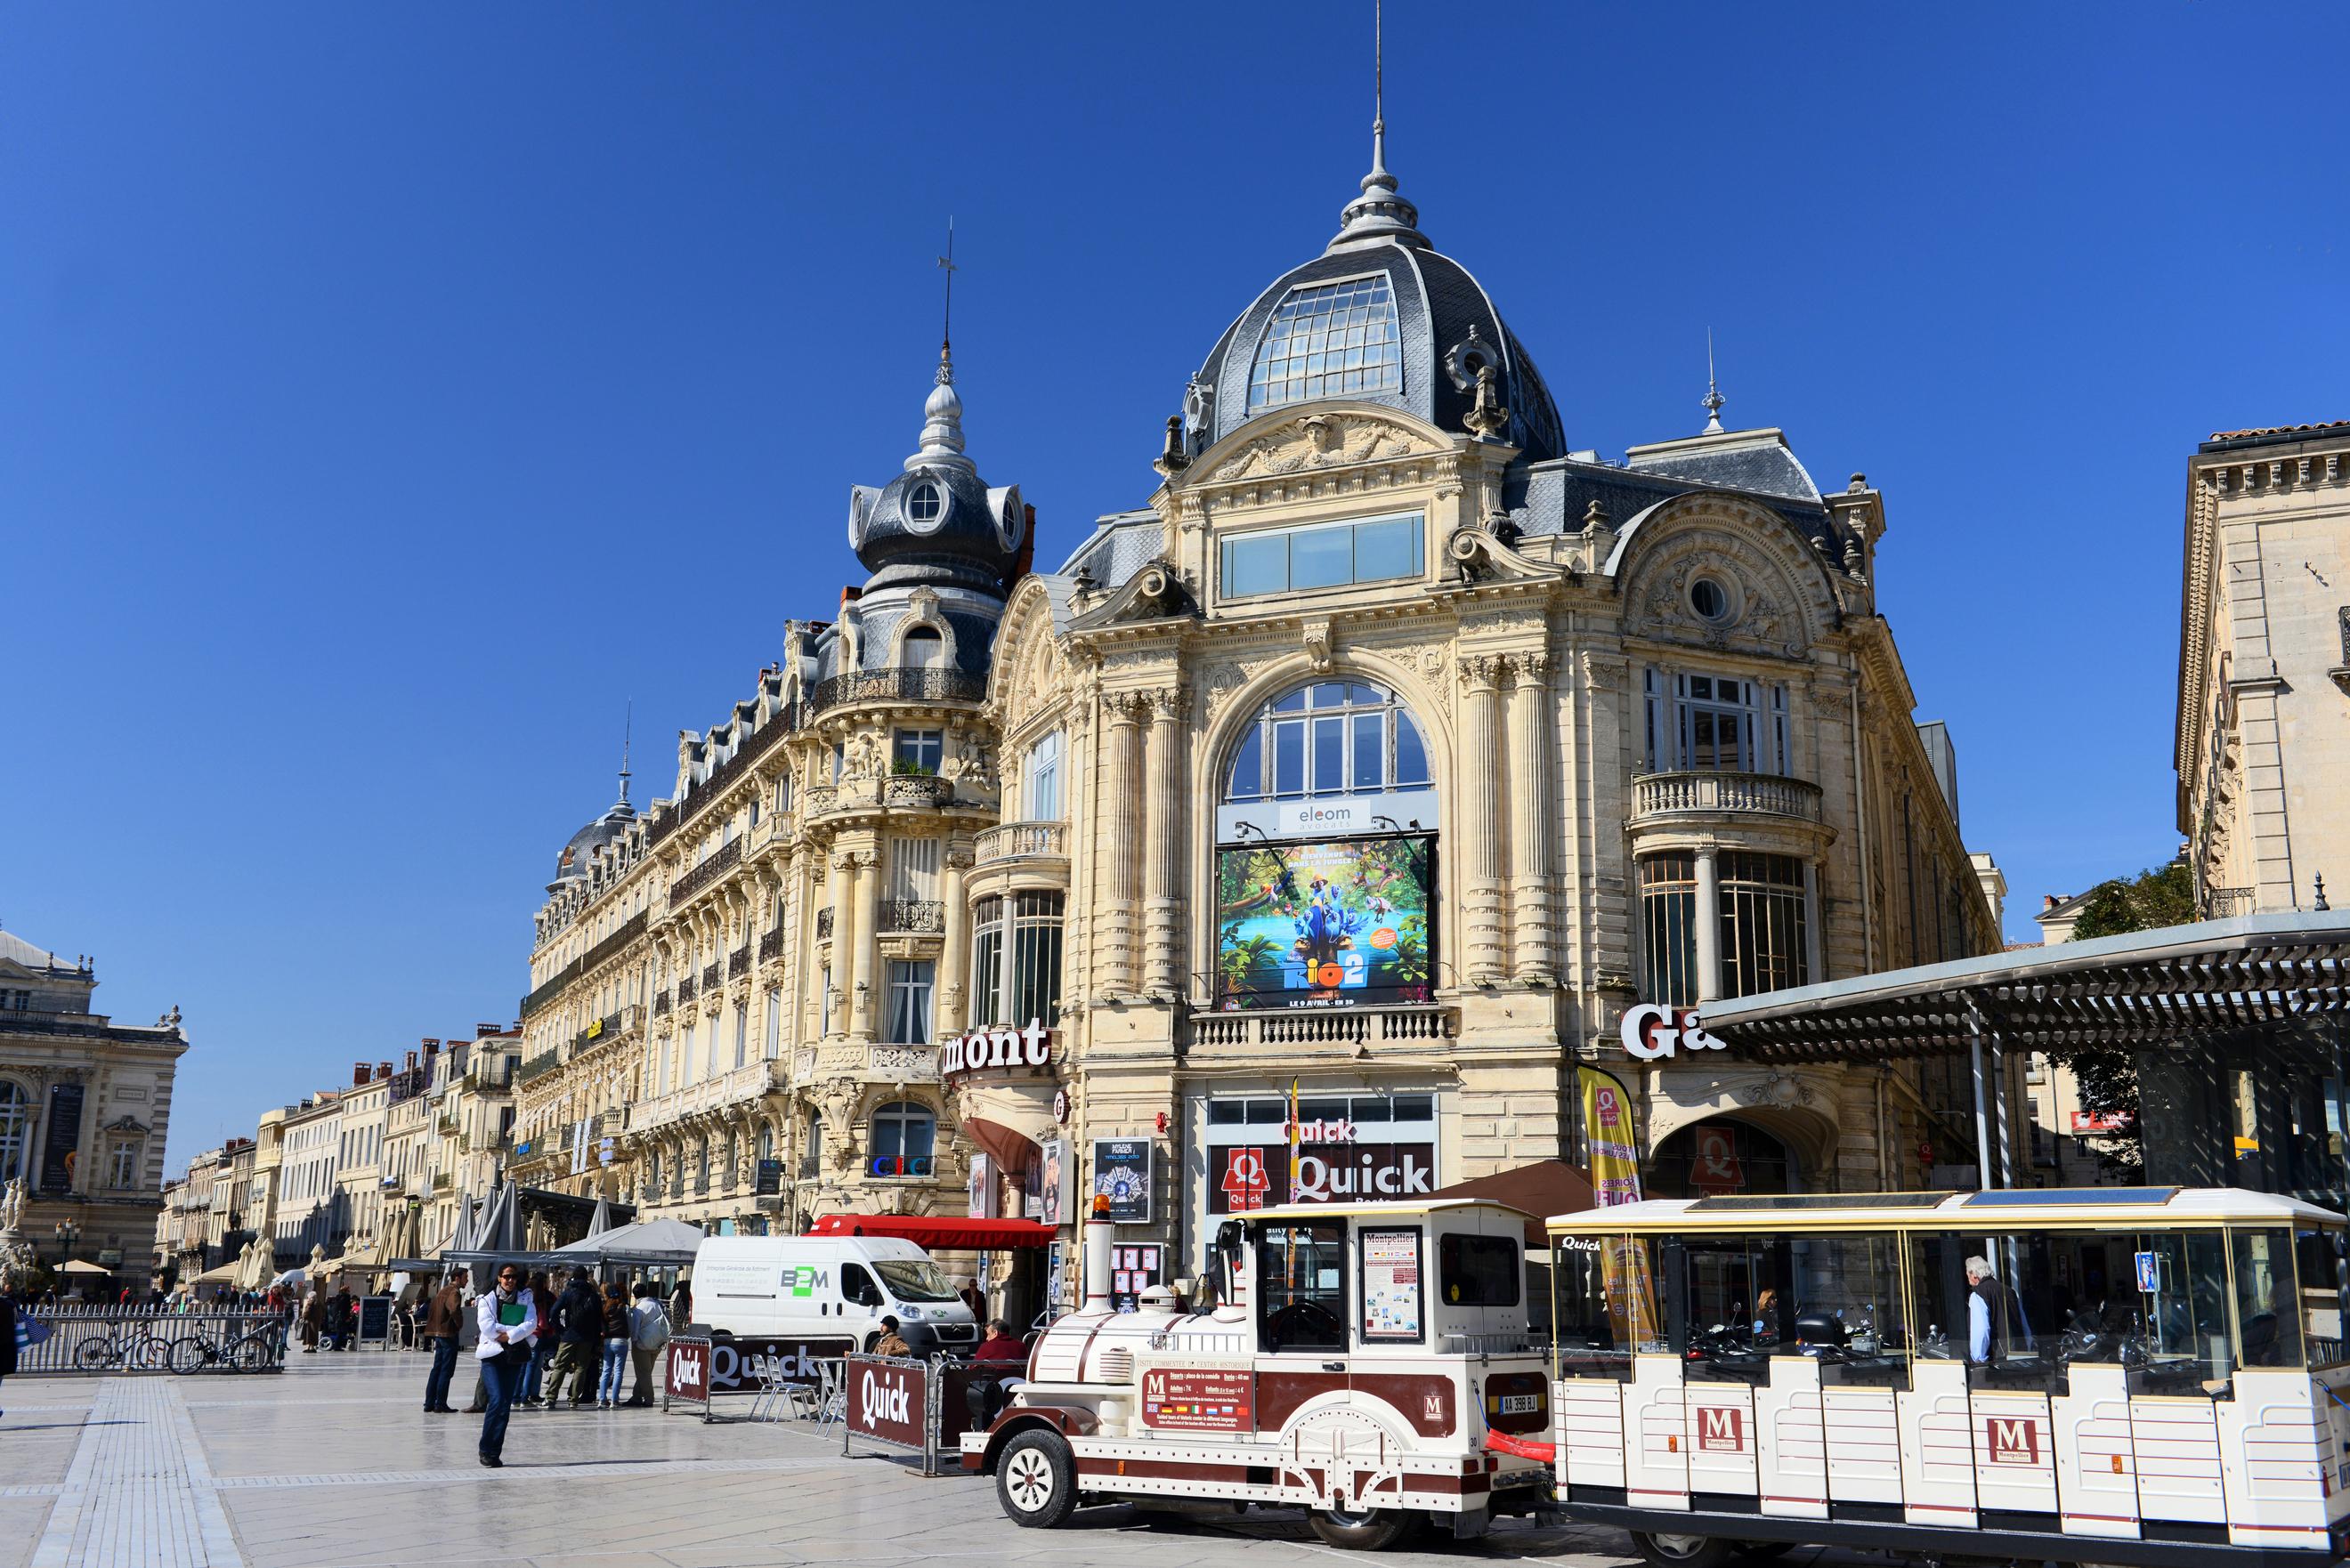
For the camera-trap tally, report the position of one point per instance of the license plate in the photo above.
(1521, 1404)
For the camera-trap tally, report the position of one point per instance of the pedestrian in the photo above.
(314, 1319)
(441, 1317)
(1001, 1345)
(1987, 1326)
(968, 1289)
(616, 1348)
(579, 1334)
(891, 1342)
(680, 1303)
(647, 1335)
(7, 1327)
(542, 1351)
(469, 1339)
(507, 1316)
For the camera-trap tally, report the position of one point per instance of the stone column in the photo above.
(1531, 816)
(1480, 820)
(1162, 865)
(952, 960)
(1115, 910)
(1709, 924)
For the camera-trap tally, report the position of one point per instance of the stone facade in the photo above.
(85, 1107)
(2263, 752)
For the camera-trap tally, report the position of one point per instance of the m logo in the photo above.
(2014, 1440)
(1721, 1429)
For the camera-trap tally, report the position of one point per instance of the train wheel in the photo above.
(1683, 1551)
(1037, 1479)
(1360, 1529)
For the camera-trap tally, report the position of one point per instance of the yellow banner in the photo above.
(1612, 1149)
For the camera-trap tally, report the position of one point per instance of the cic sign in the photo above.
(984, 1049)
(1651, 1032)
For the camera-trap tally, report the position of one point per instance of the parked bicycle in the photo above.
(248, 1352)
(128, 1345)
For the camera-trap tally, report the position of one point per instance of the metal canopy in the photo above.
(2175, 986)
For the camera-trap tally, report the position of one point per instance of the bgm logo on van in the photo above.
(1651, 1032)
(2012, 1440)
(886, 1403)
(804, 1280)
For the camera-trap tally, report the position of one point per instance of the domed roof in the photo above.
(573, 861)
(938, 523)
(1379, 316)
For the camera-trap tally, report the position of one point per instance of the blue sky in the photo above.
(387, 395)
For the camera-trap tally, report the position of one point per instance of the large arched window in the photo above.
(1326, 340)
(1333, 737)
(904, 1137)
(15, 1131)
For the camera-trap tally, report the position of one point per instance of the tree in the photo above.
(2106, 1075)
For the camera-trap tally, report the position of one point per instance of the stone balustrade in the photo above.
(1710, 792)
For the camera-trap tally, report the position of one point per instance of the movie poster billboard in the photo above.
(1337, 922)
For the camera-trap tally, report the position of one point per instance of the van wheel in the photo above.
(1362, 1529)
(1683, 1551)
(1037, 1479)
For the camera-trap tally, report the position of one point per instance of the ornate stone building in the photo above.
(2263, 754)
(85, 1107)
(1392, 751)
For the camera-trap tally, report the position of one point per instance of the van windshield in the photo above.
(916, 1280)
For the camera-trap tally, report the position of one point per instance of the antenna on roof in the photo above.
(628, 734)
(1713, 398)
(946, 328)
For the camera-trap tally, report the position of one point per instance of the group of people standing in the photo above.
(532, 1342)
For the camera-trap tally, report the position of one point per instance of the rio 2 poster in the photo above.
(1336, 923)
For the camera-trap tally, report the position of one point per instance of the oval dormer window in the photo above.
(924, 506)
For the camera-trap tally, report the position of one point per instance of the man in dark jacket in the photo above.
(579, 1329)
(7, 1327)
(442, 1316)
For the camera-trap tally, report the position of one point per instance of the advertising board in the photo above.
(1243, 1178)
(1198, 1399)
(1122, 1171)
(1337, 922)
(888, 1401)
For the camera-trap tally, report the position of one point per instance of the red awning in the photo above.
(974, 1235)
(1011, 1152)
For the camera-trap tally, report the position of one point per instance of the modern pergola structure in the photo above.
(2240, 1029)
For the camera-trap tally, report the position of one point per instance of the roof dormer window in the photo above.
(1327, 340)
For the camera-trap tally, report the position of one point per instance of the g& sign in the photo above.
(1651, 1032)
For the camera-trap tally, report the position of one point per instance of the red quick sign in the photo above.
(885, 1403)
(689, 1370)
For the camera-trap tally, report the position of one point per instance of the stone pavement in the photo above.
(333, 1463)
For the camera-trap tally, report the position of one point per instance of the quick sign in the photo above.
(1651, 1032)
(688, 1374)
(1246, 1177)
(886, 1403)
(795, 1360)
(985, 1050)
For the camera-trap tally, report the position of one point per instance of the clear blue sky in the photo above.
(389, 394)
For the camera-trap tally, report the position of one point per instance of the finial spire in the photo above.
(628, 734)
(1713, 399)
(946, 328)
(1381, 212)
(942, 414)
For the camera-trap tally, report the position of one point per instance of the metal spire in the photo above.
(628, 734)
(1379, 213)
(946, 328)
(1379, 88)
(1713, 399)
(942, 413)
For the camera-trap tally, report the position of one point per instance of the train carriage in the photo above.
(2148, 1376)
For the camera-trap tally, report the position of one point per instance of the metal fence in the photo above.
(114, 1340)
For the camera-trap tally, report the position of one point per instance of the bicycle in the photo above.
(248, 1352)
(139, 1350)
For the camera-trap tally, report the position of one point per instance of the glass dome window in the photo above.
(1326, 340)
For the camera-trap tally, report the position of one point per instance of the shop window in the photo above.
(1301, 1281)
(1040, 795)
(1714, 722)
(1669, 930)
(903, 1138)
(1330, 738)
(1718, 1158)
(1763, 917)
(909, 1002)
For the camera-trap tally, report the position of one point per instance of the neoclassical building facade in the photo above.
(1377, 764)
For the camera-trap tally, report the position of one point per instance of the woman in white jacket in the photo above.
(508, 1317)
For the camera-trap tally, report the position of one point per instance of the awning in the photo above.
(1547, 1186)
(220, 1275)
(1010, 1152)
(75, 1266)
(972, 1235)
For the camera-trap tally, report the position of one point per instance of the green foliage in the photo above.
(2106, 1075)
(904, 768)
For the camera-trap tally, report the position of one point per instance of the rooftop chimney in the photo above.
(358, 1074)
(411, 1061)
(383, 1069)
(481, 1028)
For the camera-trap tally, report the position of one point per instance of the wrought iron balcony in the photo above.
(915, 791)
(1021, 841)
(2227, 903)
(728, 856)
(770, 945)
(738, 962)
(684, 990)
(896, 686)
(661, 1004)
(1702, 792)
(710, 978)
(917, 915)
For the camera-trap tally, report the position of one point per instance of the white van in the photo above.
(829, 1287)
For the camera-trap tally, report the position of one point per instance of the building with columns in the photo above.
(1386, 753)
(85, 1108)
(2264, 668)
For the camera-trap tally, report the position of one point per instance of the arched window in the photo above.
(1329, 738)
(1326, 340)
(904, 1135)
(15, 1131)
(924, 649)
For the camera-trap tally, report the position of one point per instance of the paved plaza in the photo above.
(333, 1463)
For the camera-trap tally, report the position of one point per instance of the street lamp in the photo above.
(68, 1231)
